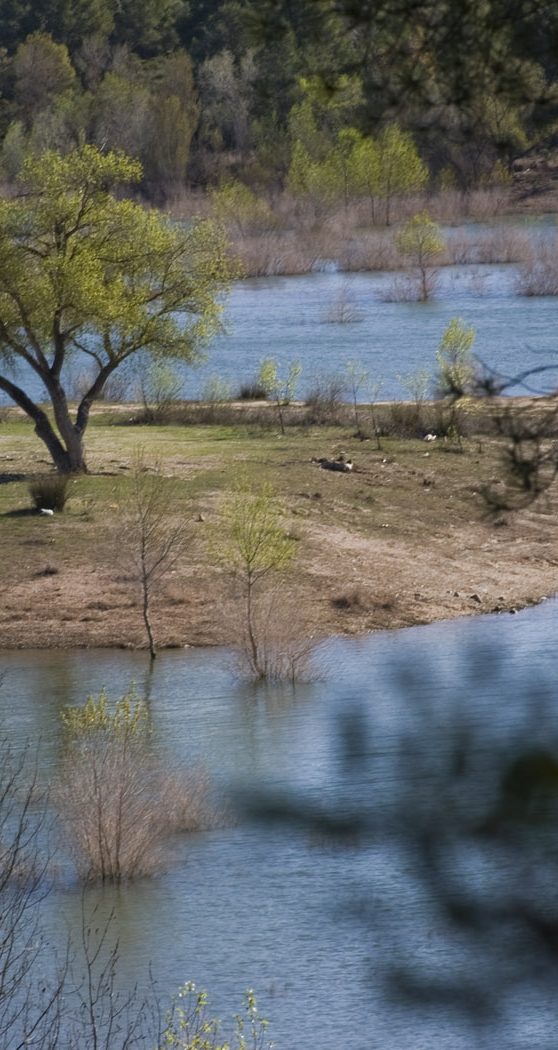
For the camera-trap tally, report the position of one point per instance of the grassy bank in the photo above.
(404, 539)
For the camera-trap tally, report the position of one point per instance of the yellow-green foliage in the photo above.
(280, 388)
(254, 542)
(189, 1025)
(455, 361)
(86, 275)
(54, 252)
(127, 716)
(420, 238)
(351, 163)
(234, 204)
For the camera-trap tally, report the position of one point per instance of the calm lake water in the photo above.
(287, 318)
(316, 929)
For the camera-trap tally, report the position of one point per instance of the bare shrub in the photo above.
(116, 801)
(159, 387)
(367, 250)
(29, 1007)
(403, 288)
(539, 273)
(153, 539)
(49, 491)
(326, 399)
(275, 255)
(343, 309)
(216, 390)
(49, 570)
(279, 645)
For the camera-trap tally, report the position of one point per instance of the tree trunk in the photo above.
(147, 620)
(67, 459)
(253, 644)
(72, 461)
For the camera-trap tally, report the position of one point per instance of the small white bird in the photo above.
(430, 437)
(45, 510)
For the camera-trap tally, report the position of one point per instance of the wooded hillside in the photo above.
(279, 93)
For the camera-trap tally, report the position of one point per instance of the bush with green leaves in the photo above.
(456, 372)
(190, 1026)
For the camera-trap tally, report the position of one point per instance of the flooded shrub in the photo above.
(117, 802)
(49, 491)
(404, 288)
(343, 309)
(539, 274)
(278, 645)
(270, 641)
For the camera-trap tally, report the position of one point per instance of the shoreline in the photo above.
(140, 647)
(201, 624)
(401, 541)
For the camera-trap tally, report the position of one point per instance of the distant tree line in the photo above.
(279, 94)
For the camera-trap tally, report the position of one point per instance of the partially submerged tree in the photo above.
(86, 276)
(254, 546)
(422, 242)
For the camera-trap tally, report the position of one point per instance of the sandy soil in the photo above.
(344, 582)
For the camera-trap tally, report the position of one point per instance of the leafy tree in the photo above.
(280, 388)
(415, 57)
(87, 277)
(366, 166)
(173, 118)
(421, 241)
(357, 377)
(337, 174)
(226, 91)
(147, 26)
(120, 115)
(43, 70)
(400, 169)
(71, 21)
(14, 148)
(455, 361)
(235, 205)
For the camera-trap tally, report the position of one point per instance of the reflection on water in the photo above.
(316, 929)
